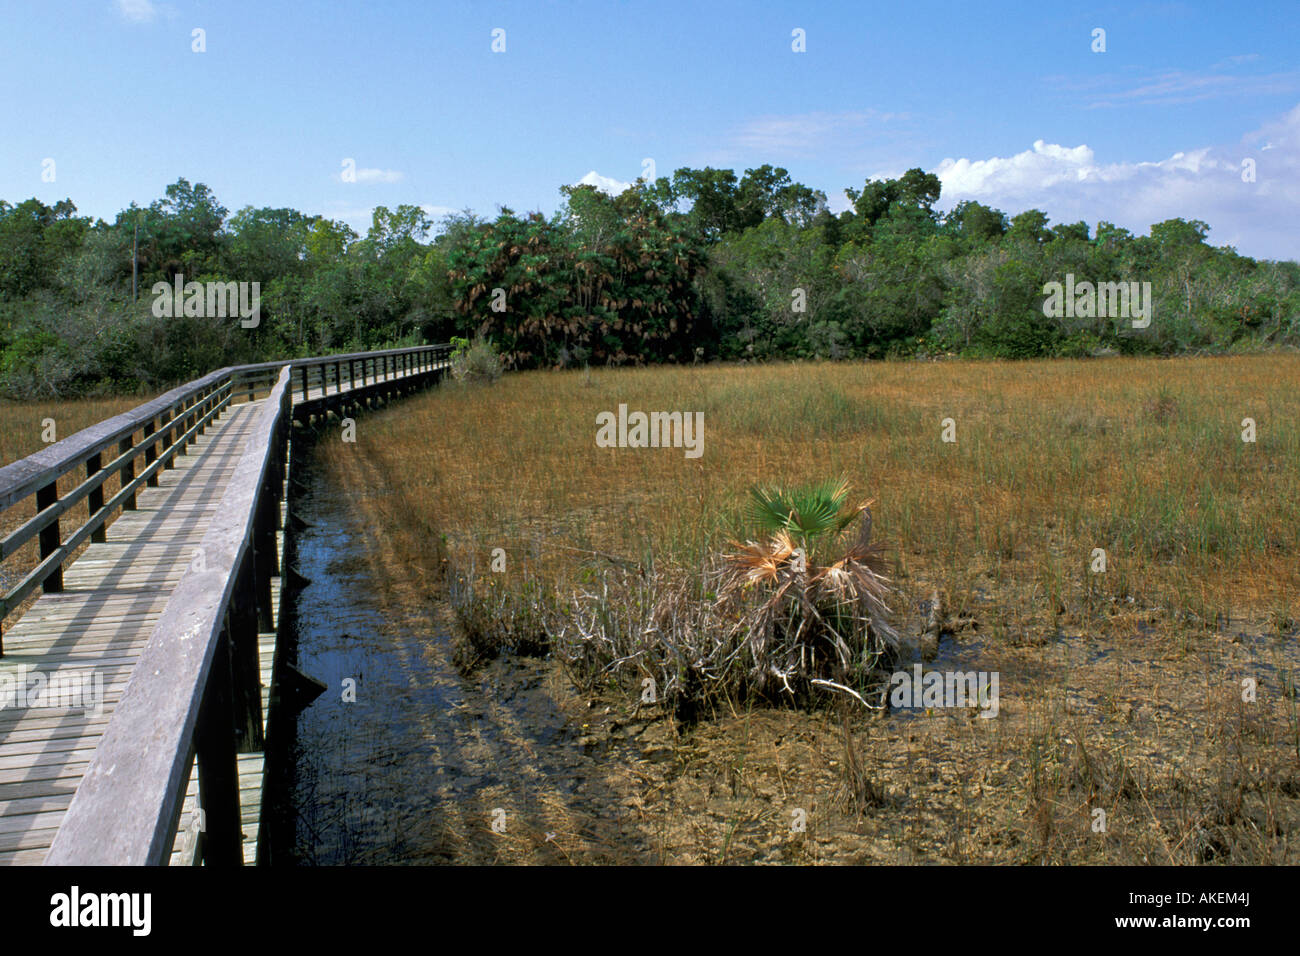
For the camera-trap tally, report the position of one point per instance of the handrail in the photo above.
(131, 818)
(22, 477)
(194, 692)
(156, 431)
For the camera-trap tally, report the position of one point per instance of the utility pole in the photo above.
(135, 258)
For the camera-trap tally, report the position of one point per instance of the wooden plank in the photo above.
(102, 626)
(118, 818)
(138, 582)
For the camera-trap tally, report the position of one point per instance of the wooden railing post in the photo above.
(187, 422)
(246, 688)
(266, 561)
(95, 502)
(214, 749)
(49, 537)
(128, 470)
(150, 452)
(173, 435)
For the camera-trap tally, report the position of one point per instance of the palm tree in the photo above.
(808, 599)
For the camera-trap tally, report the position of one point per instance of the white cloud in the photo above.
(137, 11)
(605, 184)
(1069, 184)
(1227, 79)
(809, 134)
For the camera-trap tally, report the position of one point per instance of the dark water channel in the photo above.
(413, 769)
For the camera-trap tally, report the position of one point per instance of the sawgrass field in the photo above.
(1153, 683)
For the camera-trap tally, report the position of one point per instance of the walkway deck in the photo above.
(113, 595)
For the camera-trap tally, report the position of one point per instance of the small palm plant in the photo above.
(808, 600)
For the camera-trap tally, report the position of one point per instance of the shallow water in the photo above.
(414, 768)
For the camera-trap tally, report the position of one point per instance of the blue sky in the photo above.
(1006, 101)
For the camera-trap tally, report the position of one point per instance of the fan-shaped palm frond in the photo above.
(803, 618)
(803, 512)
(812, 515)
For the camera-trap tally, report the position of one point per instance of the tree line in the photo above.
(702, 265)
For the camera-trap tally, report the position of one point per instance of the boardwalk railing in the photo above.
(194, 693)
(195, 682)
(150, 436)
(138, 443)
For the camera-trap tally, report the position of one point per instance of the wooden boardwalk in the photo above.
(113, 594)
(89, 636)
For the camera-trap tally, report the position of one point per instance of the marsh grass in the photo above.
(1121, 690)
(1052, 460)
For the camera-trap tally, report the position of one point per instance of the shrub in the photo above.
(475, 361)
(800, 610)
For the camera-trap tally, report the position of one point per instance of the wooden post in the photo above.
(187, 423)
(246, 688)
(266, 561)
(214, 747)
(150, 452)
(95, 502)
(49, 537)
(128, 470)
(173, 414)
